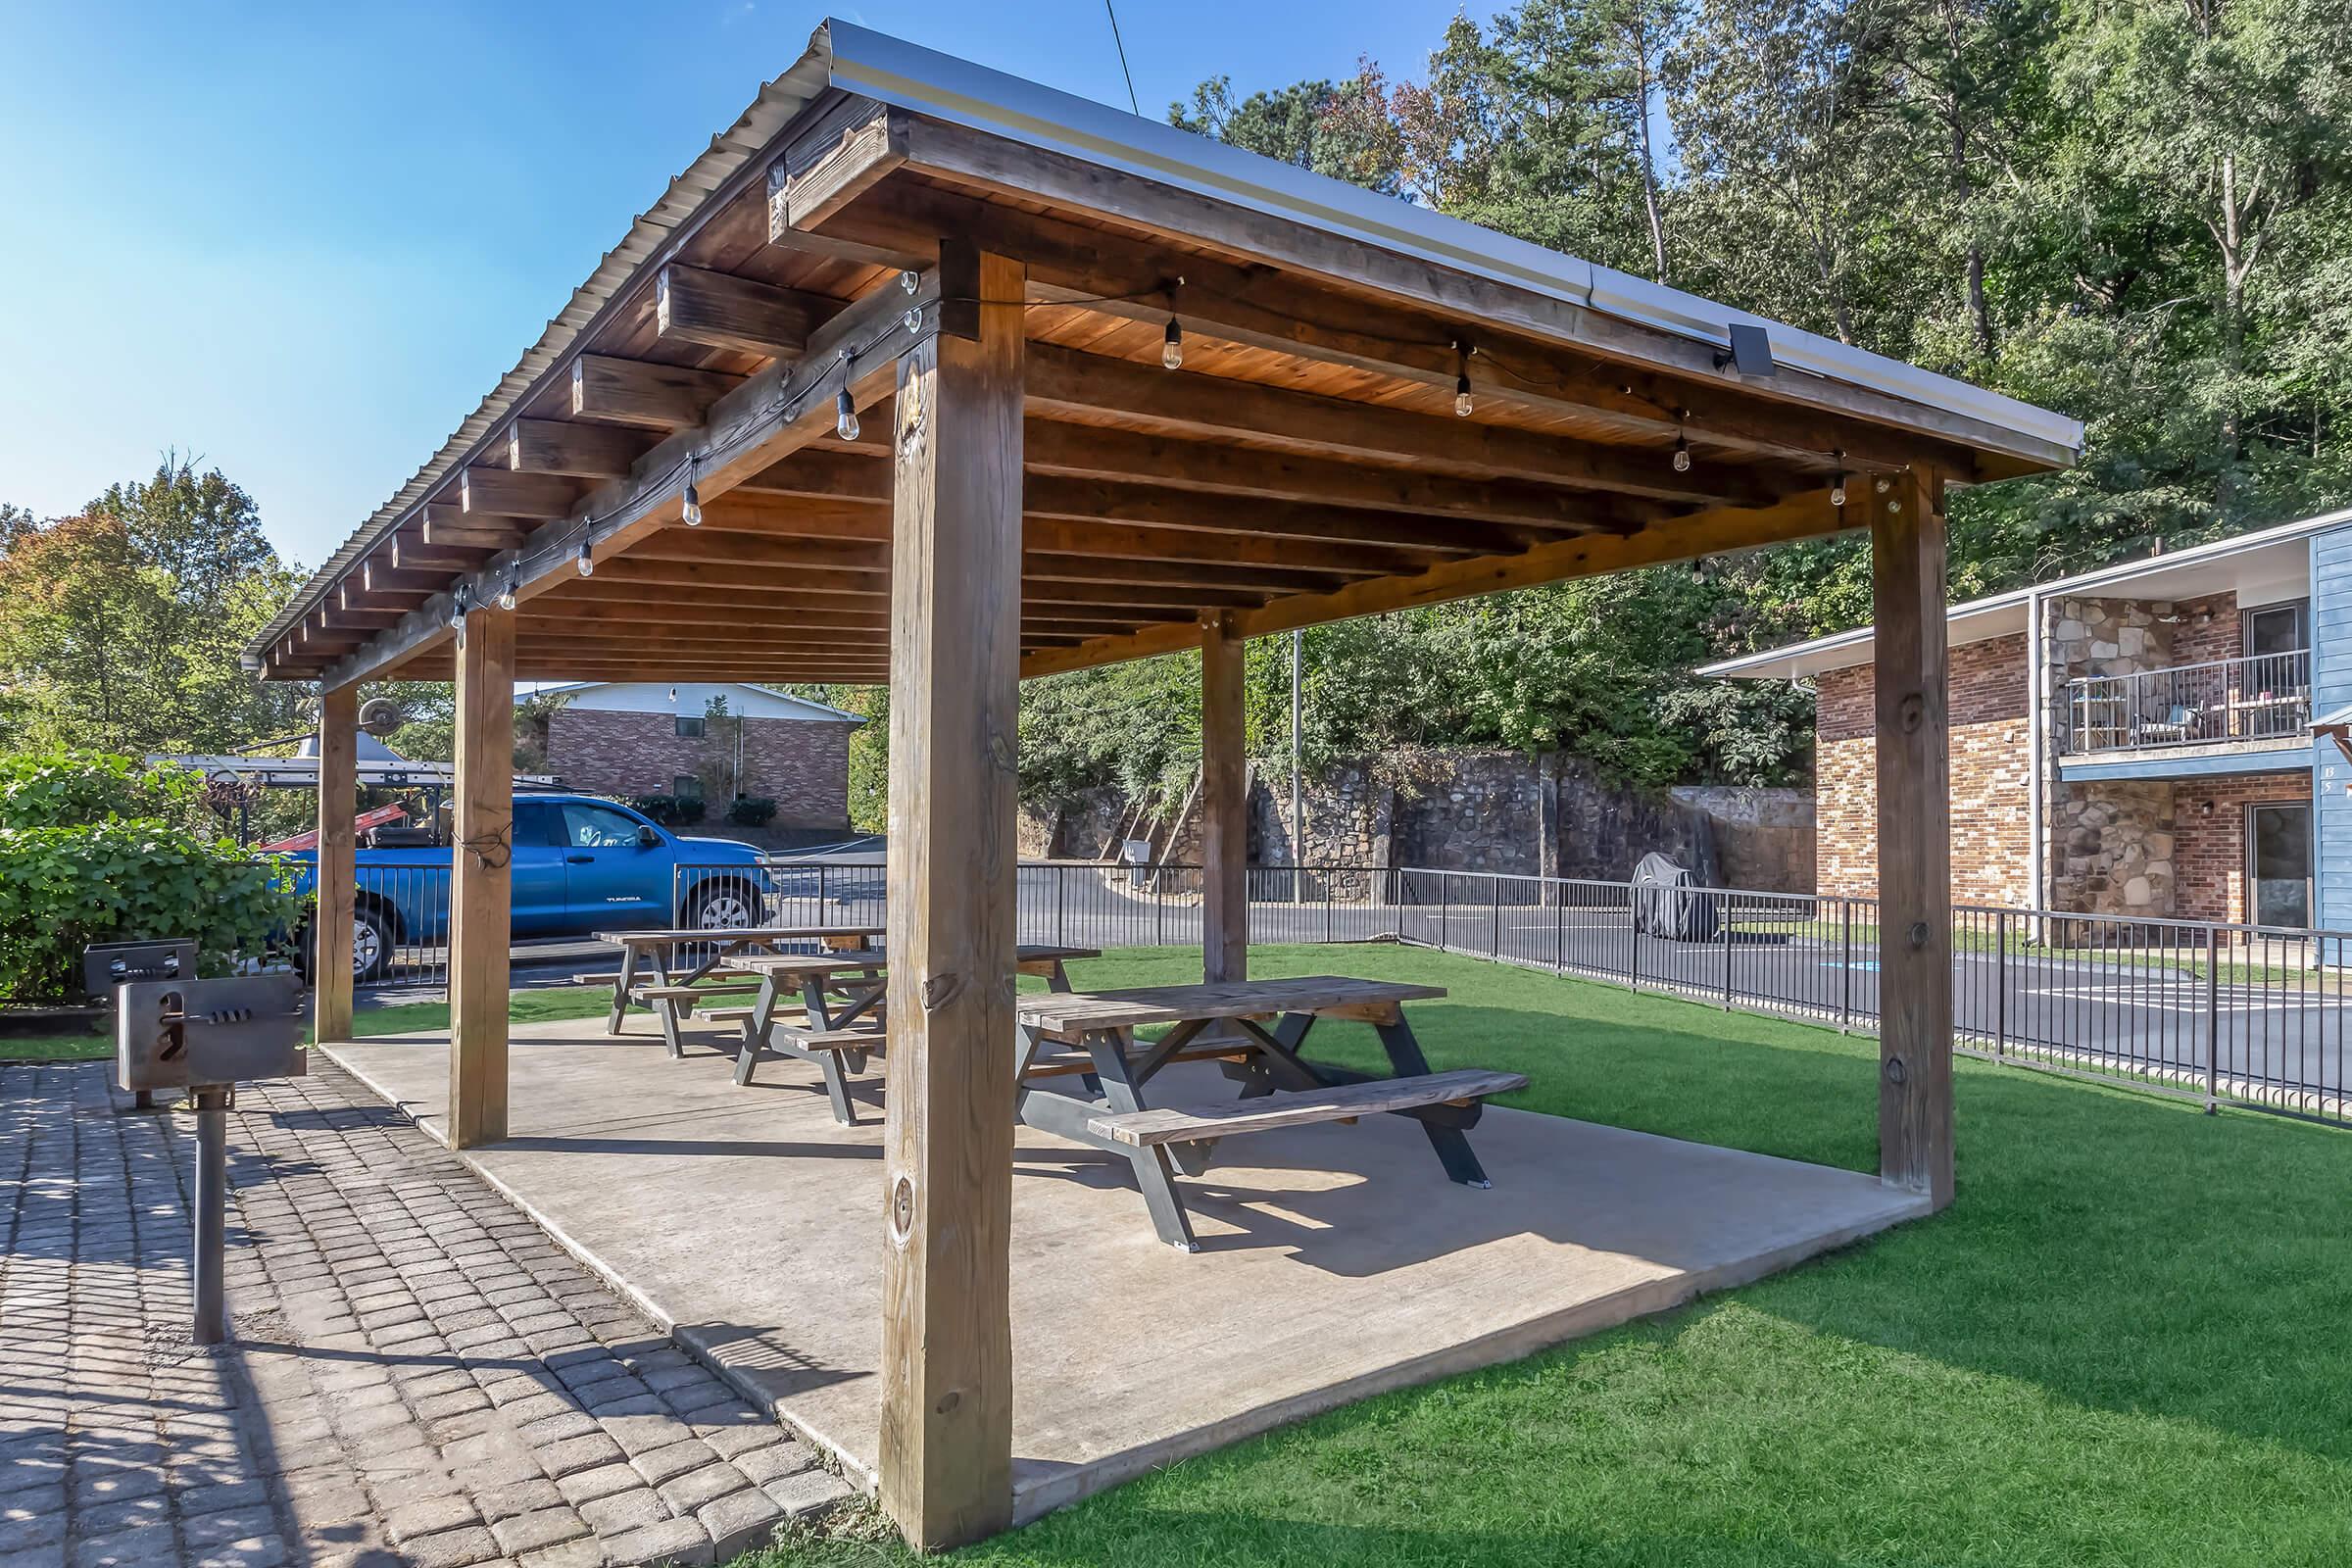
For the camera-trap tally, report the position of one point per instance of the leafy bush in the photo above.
(63, 888)
(752, 810)
(70, 789)
(670, 810)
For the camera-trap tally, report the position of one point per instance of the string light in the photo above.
(1837, 485)
(1171, 348)
(693, 512)
(1461, 396)
(457, 611)
(845, 411)
(585, 559)
(509, 595)
(1682, 455)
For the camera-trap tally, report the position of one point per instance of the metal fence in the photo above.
(2260, 697)
(2252, 1014)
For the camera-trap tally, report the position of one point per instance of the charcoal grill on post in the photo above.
(206, 1036)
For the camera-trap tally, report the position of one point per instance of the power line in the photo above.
(1121, 45)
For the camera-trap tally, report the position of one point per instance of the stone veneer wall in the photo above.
(803, 763)
(1990, 768)
(1472, 811)
(2112, 845)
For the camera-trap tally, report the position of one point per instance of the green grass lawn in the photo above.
(2126, 1343)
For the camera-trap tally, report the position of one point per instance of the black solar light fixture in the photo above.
(1751, 353)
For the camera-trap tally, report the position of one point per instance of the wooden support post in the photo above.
(946, 1471)
(1224, 806)
(480, 889)
(1915, 854)
(338, 851)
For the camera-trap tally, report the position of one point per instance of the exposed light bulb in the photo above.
(586, 560)
(457, 611)
(693, 513)
(1838, 491)
(1461, 396)
(1171, 348)
(845, 416)
(507, 597)
(1682, 455)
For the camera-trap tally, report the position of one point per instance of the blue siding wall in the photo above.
(2331, 687)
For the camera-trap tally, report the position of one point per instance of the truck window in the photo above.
(537, 824)
(598, 827)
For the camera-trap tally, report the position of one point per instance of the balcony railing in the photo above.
(2261, 697)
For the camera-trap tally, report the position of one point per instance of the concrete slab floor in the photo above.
(1336, 1261)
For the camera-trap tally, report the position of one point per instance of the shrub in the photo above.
(63, 888)
(72, 789)
(752, 810)
(670, 810)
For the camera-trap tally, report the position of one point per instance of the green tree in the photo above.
(122, 627)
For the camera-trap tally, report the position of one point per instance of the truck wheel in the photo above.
(721, 907)
(370, 943)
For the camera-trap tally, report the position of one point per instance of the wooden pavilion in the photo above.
(927, 375)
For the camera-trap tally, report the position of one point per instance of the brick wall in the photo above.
(803, 763)
(2209, 846)
(1989, 770)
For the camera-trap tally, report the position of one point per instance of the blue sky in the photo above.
(302, 241)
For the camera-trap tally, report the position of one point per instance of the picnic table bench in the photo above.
(1093, 1036)
(840, 1006)
(668, 999)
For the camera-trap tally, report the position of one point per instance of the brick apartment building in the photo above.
(2132, 741)
(646, 738)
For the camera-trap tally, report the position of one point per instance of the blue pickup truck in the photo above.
(580, 864)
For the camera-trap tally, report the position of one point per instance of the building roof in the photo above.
(808, 707)
(1325, 329)
(2266, 560)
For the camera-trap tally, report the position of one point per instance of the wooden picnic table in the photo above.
(657, 948)
(1279, 1087)
(840, 1001)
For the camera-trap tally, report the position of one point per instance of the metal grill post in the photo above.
(2000, 982)
(211, 1219)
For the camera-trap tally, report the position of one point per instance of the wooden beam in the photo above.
(1705, 533)
(1915, 849)
(566, 447)
(482, 893)
(849, 148)
(946, 1464)
(337, 880)
(1379, 311)
(1092, 452)
(1090, 500)
(716, 310)
(638, 392)
(380, 579)
(1224, 806)
(505, 493)
(1064, 383)
(455, 530)
(764, 419)
(412, 552)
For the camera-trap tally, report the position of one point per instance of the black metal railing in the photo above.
(2245, 1014)
(2260, 697)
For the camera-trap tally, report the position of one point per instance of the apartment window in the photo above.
(687, 786)
(2275, 629)
(690, 728)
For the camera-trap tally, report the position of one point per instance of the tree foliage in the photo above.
(2136, 211)
(120, 627)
